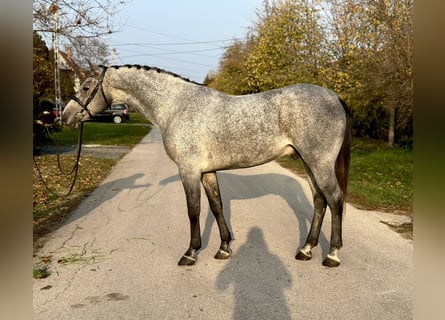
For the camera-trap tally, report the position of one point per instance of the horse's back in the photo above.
(240, 131)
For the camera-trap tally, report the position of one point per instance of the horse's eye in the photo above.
(86, 88)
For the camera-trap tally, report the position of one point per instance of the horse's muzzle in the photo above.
(73, 120)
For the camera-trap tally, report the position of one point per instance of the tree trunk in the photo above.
(392, 115)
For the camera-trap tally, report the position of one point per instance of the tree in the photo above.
(231, 76)
(394, 20)
(43, 73)
(43, 70)
(82, 25)
(285, 46)
(362, 49)
(372, 44)
(288, 45)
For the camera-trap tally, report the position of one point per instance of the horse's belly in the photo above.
(244, 157)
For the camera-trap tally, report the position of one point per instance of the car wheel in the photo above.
(117, 119)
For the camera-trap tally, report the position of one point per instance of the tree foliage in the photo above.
(231, 77)
(82, 25)
(43, 73)
(43, 70)
(288, 42)
(376, 40)
(361, 49)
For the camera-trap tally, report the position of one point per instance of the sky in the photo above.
(184, 37)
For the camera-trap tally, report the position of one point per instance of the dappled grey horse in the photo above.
(205, 130)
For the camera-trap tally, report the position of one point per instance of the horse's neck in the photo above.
(151, 93)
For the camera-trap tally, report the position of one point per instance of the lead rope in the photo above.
(74, 170)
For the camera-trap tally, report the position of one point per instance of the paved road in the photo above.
(116, 258)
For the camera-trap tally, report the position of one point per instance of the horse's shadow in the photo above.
(284, 186)
(105, 192)
(100, 196)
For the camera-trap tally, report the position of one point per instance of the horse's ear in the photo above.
(94, 69)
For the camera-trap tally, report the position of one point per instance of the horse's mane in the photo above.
(137, 66)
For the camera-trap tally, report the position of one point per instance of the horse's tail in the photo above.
(343, 158)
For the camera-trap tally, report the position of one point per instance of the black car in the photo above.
(117, 113)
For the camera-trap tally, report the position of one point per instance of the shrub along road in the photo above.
(116, 257)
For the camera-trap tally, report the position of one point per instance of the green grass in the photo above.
(136, 117)
(105, 133)
(40, 272)
(381, 177)
(82, 258)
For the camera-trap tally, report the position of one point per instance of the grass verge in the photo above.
(123, 134)
(50, 210)
(381, 177)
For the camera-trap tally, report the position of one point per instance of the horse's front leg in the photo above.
(210, 183)
(192, 190)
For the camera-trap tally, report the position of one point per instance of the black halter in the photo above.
(84, 106)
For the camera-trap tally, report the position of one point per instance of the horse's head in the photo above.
(89, 100)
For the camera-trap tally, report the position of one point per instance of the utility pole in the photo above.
(58, 97)
(113, 56)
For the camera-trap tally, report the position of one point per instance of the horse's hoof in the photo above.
(186, 261)
(331, 261)
(223, 254)
(303, 256)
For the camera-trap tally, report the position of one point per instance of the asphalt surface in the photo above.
(116, 258)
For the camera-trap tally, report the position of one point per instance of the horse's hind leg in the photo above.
(336, 243)
(192, 190)
(320, 204)
(326, 190)
(210, 183)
